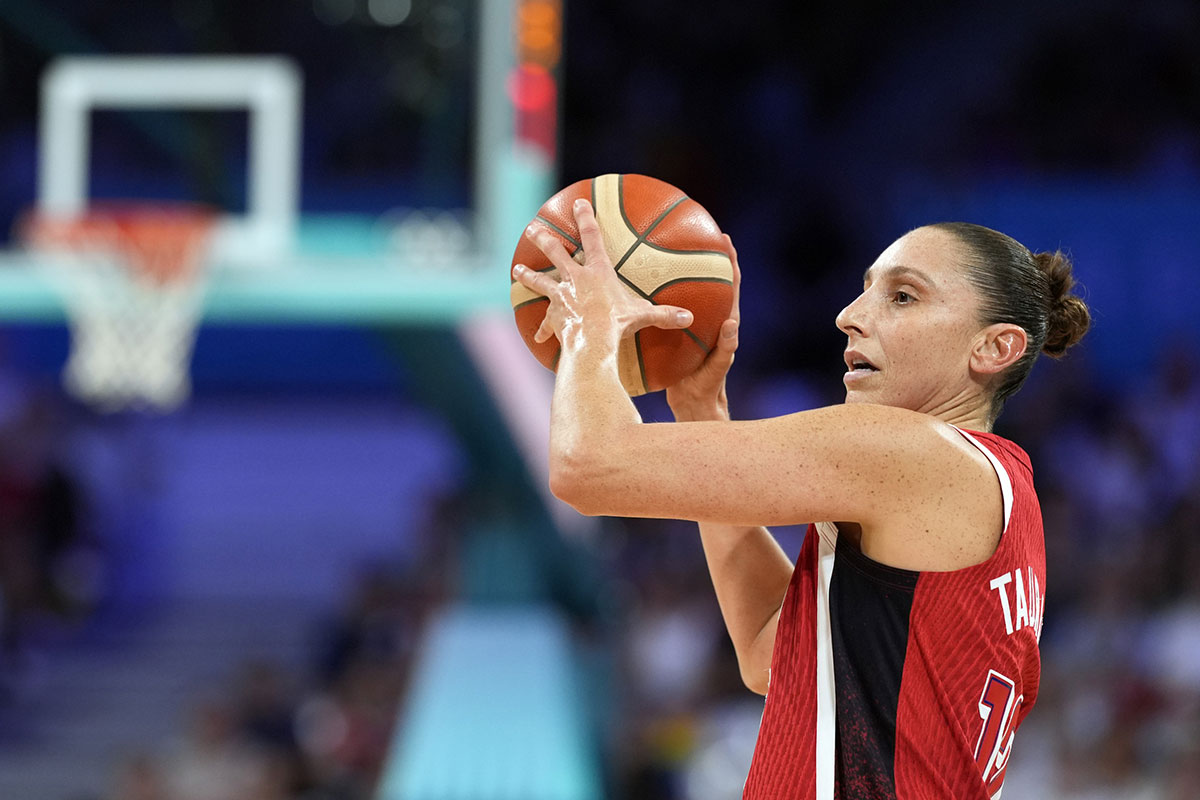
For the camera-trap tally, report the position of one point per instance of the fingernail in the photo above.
(530, 230)
(684, 317)
(579, 203)
(518, 269)
(731, 332)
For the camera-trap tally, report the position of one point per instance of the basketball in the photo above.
(665, 247)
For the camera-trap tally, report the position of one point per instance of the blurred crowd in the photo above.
(52, 565)
(320, 731)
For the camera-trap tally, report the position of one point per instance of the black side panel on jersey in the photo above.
(869, 608)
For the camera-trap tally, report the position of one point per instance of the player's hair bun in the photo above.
(1068, 319)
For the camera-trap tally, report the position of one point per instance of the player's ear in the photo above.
(997, 347)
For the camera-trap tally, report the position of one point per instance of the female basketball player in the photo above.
(901, 650)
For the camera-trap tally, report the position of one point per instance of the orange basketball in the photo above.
(665, 247)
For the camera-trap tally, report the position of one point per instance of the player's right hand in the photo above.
(590, 293)
(701, 395)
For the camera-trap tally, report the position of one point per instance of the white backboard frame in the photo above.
(267, 87)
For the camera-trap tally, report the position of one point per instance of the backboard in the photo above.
(373, 161)
(397, 245)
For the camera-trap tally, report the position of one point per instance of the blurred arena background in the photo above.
(334, 572)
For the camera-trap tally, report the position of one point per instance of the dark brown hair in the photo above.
(1032, 290)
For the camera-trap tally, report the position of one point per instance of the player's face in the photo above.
(911, 331)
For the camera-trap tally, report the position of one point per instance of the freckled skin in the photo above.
(886, 465)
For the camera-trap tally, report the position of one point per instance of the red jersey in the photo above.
(890, 683)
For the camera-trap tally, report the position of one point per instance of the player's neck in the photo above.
(972, 414)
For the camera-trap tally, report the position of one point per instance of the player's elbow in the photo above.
(600, 471)
(571, 482)
(586, 477)
(754, 661)
(564, 483)
(755, 677)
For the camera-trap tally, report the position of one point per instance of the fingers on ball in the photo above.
(534, 281)
(589, 227)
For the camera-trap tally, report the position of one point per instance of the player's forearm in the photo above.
(750, 573)
(589, 413)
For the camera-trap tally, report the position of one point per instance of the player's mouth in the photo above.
(857, 366)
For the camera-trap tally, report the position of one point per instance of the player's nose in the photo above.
(851, 318)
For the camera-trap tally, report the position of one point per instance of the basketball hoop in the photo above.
(132, 279)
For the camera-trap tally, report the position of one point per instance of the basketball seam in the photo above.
(688, 331)
(641, 237)
(624, 217)
(661, 216)
(559, 231)
(674, 281)
(635, 288)
(699, 342)
(641, 240)
(662, 249)
(537, 299)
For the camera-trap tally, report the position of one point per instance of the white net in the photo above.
(133, 288)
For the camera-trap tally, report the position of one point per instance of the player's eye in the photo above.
(902, 298)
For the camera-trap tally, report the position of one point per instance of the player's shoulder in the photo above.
(911, 456)
(945, 502)
(1006, 450)
(893, 430)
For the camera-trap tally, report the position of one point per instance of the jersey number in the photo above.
(998, 706)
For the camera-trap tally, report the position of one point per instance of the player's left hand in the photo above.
(590, 293)
(701, 395)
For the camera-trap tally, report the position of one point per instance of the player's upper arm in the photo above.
(754, 662)
(862, 463)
